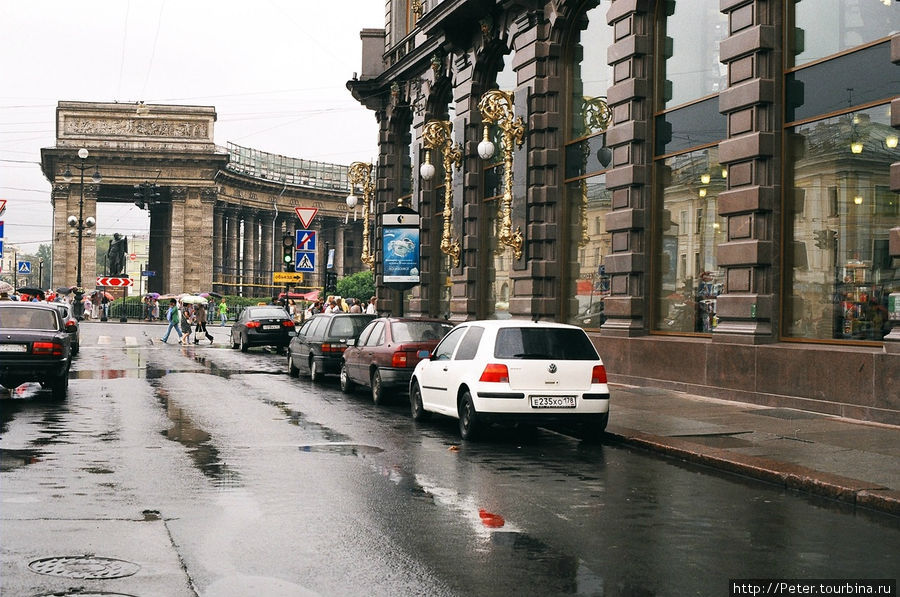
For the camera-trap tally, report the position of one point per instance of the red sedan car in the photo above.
(385, 353)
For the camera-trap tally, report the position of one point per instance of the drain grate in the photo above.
(85, 567)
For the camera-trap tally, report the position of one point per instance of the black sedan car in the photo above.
(320, 343)
(386, 352)
(268, 325)
(34, 347)
(71, 324)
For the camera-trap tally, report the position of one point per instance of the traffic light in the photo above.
(287, 252)
(330, 282)
(145, 194)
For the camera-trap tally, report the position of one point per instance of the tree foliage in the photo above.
(360, 285)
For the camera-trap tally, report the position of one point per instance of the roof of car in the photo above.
(517, 323)
(25, 305)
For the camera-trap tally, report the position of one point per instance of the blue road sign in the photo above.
(23, 267)
(305, 261)
(1, 250)
(148, 273)
(306, 240)
(1, 228)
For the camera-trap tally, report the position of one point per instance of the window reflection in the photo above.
(827, 27)
(590, 202)
(688, 279)
(692, 30)
(841, 270)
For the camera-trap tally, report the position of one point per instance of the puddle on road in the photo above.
(295, 417)
(202, 452)
(360, 450)
(11, 459)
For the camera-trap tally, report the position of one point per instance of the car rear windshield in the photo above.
(273, 313)
(544, 343)
(419, 331)
(348, 327)
(20, 318)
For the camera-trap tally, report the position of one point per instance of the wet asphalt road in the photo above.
(236, 479)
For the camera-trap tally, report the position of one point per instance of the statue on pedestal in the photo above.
(115, 255)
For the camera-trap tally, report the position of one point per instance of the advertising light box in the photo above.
(400, 247)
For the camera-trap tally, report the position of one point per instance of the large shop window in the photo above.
(587, 201)
(841, 271)
(823, 28)
(690, 36)
(688, 278)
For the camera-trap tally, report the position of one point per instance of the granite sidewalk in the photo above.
(847, 460)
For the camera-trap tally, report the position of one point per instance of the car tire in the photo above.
(468, 417)
(293, 370)
(377, 388)
(244, 345)
(346, 383)
(416, 409)
(60, 386)
(314, 373)
(75, 348)
(233, 343)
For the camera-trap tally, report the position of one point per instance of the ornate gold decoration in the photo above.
(597, 114)
(497, 107)
(360, 174)
(418, 8)
(436, 64)
(437, 135)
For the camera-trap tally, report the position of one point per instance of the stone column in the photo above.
(89, 241)
(231, 265)
(59, 199)
(249, 252)
(748, 311)
(175, 271)
(202, 240)
(629, 178)
(218, 272)
(266, 246)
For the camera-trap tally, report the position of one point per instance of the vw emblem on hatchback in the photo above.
(551, 368)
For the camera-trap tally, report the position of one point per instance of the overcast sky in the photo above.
(275, 70)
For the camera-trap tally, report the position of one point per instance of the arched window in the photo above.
(587, 201)
(839, 146)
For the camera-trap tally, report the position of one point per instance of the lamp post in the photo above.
(436, 135)
(497, 107)
(360, 174)
(81, 226)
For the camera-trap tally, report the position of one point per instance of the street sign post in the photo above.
(23, 268)
(306, 240)
(114, 282)
(306, 214)
(287, 278)
(2, 206)
(306, 261)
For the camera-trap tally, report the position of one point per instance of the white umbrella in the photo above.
(6, 287)
(193, 300)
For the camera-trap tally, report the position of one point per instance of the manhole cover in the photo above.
(84, 567)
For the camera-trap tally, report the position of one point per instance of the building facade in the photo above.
(710, 188)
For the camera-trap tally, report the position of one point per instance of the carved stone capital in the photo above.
(61, 190)
(208, 195)
(178, 193)
(91, 190)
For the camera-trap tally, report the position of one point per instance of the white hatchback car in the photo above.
(515, 371)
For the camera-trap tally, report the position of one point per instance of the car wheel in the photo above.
(416, 409)
(59, 386)
(244, 346)
(314, 373)
(233, 343)
(346, 384)
(377, 388)
(75, 349)
(293, 370)
(468, 417)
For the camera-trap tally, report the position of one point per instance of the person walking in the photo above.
(172, 317)
(223, 312)
(370, 308)
(186, 317)
(200, 316)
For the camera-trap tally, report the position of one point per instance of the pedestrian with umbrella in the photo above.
(200, 315)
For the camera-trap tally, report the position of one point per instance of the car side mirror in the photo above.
(424, 354)
(351, 341)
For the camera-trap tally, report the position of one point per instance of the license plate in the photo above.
(13, 348)
(553, 402)
(271, 327)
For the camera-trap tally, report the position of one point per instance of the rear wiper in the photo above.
(532, 355)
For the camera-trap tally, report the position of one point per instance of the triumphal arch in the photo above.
(217, 214)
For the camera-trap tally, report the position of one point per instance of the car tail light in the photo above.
(253, 324)
(71, 325)
(288, 323)
(495, 372)
(326, 347)
(47, 348)
(598, 375)
(399, 359)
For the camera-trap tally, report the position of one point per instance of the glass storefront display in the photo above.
(841, 212)
(688, 280)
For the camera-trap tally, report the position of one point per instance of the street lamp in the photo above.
(81, 226)
(360, 174)
(437, 136)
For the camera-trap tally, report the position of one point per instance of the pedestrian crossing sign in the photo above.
(24, 267)
(305, 261)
